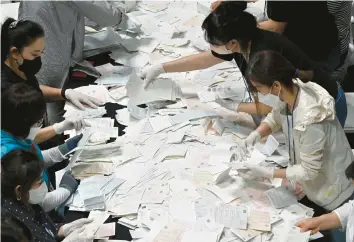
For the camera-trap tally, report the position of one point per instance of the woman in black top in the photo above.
(234, 34)
(21, 182)
(22, 44)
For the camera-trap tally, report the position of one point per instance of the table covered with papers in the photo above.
(177, 173)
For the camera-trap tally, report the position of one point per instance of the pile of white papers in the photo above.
(177, 174)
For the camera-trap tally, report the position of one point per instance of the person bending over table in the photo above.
(233, 34)
(22, 114)
(318, 148)
(21, 185)
(22, 44)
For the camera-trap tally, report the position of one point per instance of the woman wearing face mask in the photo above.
(21, 187)
(22, 116)
(22, 44)
(233, 34)
(318, 148)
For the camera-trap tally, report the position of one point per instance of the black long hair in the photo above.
(21, 107)
(19, 34)
(19, 167)
(229, 21)
(268, 66)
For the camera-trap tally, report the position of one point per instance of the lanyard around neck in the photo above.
(292, 123)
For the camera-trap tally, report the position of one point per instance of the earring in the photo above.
(18, 198)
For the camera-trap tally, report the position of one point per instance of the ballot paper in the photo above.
(99, 218)
(227, 195)
(102, 39)
(175, 137)
(220, 156)
(171, 232)
(192, 236)
(120, 75)
(87, 113)
(269, 147)
(191, 115)
(99, 151)
(159, 123)
(146, 45)
(281, 197)
(118, 93)
(131, 59)
(92, 197)
(234, 217)
(106, 230)
(259, 220)
(160, 89)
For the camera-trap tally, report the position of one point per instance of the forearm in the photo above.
(51, 93)
(55, 198)
(254, 108)
(193, 62)
(329, 221)
(45, 134)
(273, 26)
(264, 129)
(52, 156)
(280, 173)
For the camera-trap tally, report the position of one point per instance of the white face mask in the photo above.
(33, 132)
(37, 195)
(221, 50)
(271, 100)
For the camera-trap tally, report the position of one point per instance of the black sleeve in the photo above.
(279, 11)
(302, 62)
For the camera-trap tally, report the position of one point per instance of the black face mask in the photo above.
(31, 67)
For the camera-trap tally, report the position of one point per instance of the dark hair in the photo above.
(265, 67)
(13, 230)
(19, 167)
(18, 34)
(229, 21)
(21, 107)
(349, 172)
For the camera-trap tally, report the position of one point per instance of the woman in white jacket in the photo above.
(318, 148)
(342, 217)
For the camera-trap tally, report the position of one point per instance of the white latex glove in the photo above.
(260, 171)
(78, 99)
(70, 123)
(78, 236)
(150, 73)
(228, 104)
(67, 229)
(250, 141)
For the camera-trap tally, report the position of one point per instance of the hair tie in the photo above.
(14, 24)
(296, 73)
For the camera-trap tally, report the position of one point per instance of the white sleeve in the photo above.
(54, 198)
(312, 144)
(343, 214)
(273, 119)
(52, 156)
(104, 13)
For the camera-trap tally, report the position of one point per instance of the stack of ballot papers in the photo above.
(178, 172)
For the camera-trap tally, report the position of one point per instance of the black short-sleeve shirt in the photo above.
(9, 77)
(267, 40)
(310, 26)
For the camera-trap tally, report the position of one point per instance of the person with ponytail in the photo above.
(233, 35)
(22, 45)
(318, 148)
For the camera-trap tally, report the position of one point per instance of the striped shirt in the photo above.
(64, 26)
(341, 10)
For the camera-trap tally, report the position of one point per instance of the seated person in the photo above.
(342, 217)
(23, 108)
(13, 230)
(22, 44)
(22, 186)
